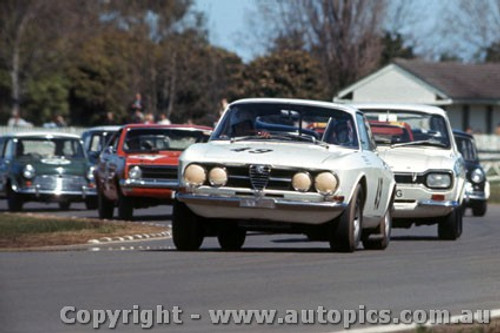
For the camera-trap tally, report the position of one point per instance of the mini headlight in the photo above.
(29, 171)
(326, 183)
(135, 172)
(301, 182)
(477, 176)
(195, 175)
(438, 180)
(90, 173)
(217, 176)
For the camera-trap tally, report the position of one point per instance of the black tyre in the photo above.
(105, 207)
(125, 207)
(64, 205)
(187, 231)
(91, 203)
(450, 226)
(479, 208)
(14, 201)
(346, 229)
(381, 239)
(230, 236)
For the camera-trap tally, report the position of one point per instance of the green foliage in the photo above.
(293, 74)
(394, 47)
(102, 76)
(47, 98)
(493, 53)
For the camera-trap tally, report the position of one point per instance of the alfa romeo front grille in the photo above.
(259, 176)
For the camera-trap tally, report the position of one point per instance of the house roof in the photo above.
(457, 80)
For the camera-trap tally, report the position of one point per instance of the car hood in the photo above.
(273, 153)
(417, 159)
(161, 158)
(59, 166)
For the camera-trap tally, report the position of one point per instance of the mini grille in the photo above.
(259, 176)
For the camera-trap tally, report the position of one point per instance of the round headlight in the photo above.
(195, 175)
(438, 180)
(326, 183)
(90, 173)
(135, 173)
(301, 182)
(29, 171)
(477, 176)
(217, 176)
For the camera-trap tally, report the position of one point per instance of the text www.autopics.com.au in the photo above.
(160, 315)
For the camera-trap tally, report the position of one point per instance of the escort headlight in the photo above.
(477, 176)
(301, 181)
(29, 171)
(90, 173)
(217, 176)
(326, 183)
(135, 173)
(195, 175)
(438, 180)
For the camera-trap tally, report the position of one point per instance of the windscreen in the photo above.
(406, 128)
(287, 122)
(159, 139)
(39, 148)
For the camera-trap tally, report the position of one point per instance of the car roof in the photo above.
(107, 128)
(462, 133)
(400, 106)
(306, 102)
(172, 126)
(43, 134)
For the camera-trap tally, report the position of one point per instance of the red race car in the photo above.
(138, 169)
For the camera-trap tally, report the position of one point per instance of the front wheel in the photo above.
(125, 207)
(346, 230)
(14, 201)
(105, 207)
(479, 208)
(381, 240)
(450, 226)
(187, 231)
(230, 236)
(64, 205)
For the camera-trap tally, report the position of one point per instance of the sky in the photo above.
(227, 21)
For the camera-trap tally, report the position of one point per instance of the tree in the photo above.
(394, 47)
(294, 74)
(493, 53)
(343, 35)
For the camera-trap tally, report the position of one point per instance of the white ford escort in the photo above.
(285, 165)
(418, 143)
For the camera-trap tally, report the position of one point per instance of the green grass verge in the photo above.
(12, 226)
(25, 231)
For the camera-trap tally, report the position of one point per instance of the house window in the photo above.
(465, 117)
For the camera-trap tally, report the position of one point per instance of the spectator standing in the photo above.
(164, 120)
(16, 120)
(149, 119)
(109, 119)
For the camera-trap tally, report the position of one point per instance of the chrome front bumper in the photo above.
(37, 192)
(263, 208)
(424, 208)
(149, 183)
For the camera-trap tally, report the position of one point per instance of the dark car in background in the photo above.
(94, 140)
(45, 167)
(477, 188)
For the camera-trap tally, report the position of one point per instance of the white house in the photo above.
(470, 93)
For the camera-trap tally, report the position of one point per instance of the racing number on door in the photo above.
(378, 195)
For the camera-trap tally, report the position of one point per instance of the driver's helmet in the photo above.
(241, 122)
(342, 133)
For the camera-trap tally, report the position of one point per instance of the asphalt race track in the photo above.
(280, 272)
